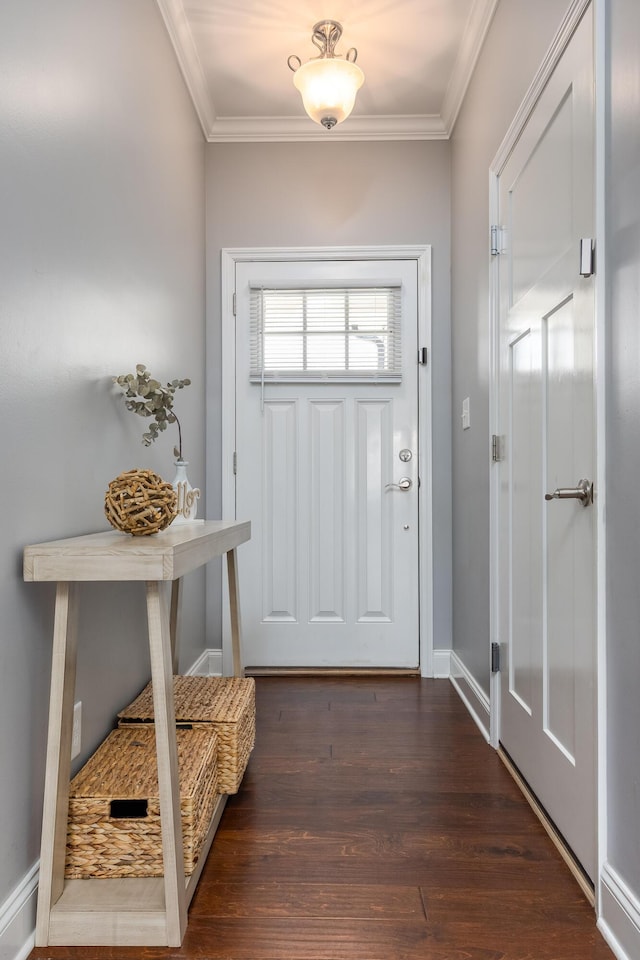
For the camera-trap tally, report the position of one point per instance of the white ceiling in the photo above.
(417, 57)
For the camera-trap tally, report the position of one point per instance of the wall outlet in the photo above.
(76, 735)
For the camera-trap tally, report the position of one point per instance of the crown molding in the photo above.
(175, 19)
(473, 38)
(300, 128)
(279, 129)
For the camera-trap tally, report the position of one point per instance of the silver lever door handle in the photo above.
(583, 492)
(404, 484)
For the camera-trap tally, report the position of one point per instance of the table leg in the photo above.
(234, 609)
(166, 749)
(174, 621)
(58, 768)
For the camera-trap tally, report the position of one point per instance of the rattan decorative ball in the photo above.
(140, 502)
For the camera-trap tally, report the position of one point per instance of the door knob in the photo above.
(583, 492)
(404, 484)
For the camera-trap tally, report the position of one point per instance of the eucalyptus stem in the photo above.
(179, 438)
(148, 398)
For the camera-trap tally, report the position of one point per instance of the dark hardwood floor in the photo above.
(374, 823)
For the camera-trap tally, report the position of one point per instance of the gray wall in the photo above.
(623, 446)
(518, 38)
(338, 194)
(101, 266)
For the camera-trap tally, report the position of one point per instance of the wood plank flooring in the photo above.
(374, 823)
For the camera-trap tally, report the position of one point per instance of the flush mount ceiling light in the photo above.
(328, 83)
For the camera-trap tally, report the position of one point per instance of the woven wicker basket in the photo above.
(226, 703)
(114, 810)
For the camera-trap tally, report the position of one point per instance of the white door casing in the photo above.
(324, 527)
(545, 551)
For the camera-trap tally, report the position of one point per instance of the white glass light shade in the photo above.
(328, 87)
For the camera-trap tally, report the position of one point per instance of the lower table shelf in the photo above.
(127, 912)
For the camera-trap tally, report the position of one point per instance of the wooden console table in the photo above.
(127, 912)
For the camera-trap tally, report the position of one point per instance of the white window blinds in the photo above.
(321, 334)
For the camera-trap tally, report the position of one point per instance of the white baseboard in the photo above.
(208, 664)
(619, 920)
(441, 664)
(18, 918)
(471, 694)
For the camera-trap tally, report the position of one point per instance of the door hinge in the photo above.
(235, 463)
(495, 658)
(423, 356)
(234, 304)
(496, 237)
(497, 448)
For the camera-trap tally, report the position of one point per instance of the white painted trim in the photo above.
(494, 468)
(619, 920)
(475, 33)
(552, 57)
(441, 664)
(18, 918)
(287, 129)
(471, 694)
(208, 664)
(175, 19)
(425, 466)
(422, 254)
(602, 98)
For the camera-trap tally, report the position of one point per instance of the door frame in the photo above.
(576, 10)
(422, 255)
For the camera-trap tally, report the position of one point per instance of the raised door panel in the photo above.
(327, 480)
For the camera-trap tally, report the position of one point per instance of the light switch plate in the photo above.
(466, 418)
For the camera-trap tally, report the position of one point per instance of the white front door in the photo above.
(327, 472)
(547, 410)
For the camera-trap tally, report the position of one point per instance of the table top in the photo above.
(112, 555)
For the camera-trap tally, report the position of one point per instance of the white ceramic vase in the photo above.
(187, 495)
